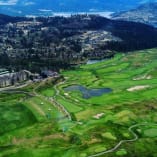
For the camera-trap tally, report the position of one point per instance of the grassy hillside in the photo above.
(99, 122)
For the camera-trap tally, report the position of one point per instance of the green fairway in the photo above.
(151, 132)
(14, 116)
(49, 92)
(42, 108)
(121, 152)
(35, 122)
(71, 107)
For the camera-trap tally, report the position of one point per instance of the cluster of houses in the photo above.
(12, 78)
(49, 73)
(8, 79)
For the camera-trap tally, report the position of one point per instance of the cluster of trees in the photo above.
(56, 43)
(4, 19)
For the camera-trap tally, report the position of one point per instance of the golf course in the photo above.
(106, 109)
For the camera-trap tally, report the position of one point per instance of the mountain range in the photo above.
(146, 13)
(47, 7)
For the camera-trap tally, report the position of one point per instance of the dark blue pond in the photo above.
(88, 93)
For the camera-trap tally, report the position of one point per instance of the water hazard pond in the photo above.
(88, 93)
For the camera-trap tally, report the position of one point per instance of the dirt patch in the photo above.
(136, 88)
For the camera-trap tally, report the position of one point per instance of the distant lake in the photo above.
(106, 14)
(88, 93)
(95, 61)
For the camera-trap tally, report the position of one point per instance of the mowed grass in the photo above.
(49, 92)
(14, 116)
(150, 132)
(43, 109)
(28, 122)
(100, 122)
(119, 73)
(71, 107)
(121, 108)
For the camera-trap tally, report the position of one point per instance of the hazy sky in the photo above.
(29, 2)
(31, 7)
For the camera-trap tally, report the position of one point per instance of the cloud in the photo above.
(8, 2)
(44, 10)
(29, 3)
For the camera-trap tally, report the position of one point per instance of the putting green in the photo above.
(151, 132)
(35, 126)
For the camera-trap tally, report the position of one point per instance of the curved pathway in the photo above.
(17, 91)
(62, 109)
(56, 104)
(52, 100)
(123, 141)
(15, 87)
(130, 129)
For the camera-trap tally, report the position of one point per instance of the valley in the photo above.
(78, 78)
(45, 119)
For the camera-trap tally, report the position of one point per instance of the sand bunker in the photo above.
(145, 77)
(135, 88)
(66, 94)
(98, 116)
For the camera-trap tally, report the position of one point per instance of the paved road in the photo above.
(130, 129)
(55, 103)
(15, 87)
(62, 109)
